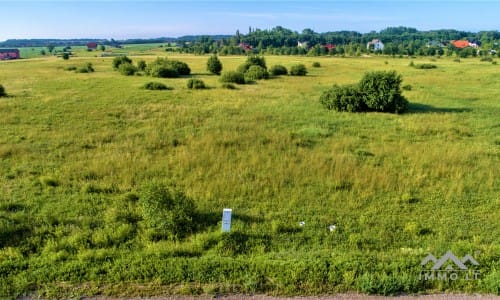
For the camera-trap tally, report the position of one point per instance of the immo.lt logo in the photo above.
(449, 267)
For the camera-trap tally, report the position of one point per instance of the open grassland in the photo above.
(75, 150)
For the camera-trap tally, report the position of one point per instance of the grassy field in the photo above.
(76, 150)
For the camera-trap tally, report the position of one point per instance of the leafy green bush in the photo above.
(117, 61)
(127, 69)
(195, 84)
(141, 65)
(377, 91)
(70, 68)
(2, 91)
(252, 61)
(316, 64)
(229, 86)
(233, 77)
(344, 98)
(425, 66)
(298, 70)
(166, 68)
(65, 56)
(382, 92)
(153, 86)
(256, 73)
(167, 213)
(214, 65)
(87, 68)
(278, 70)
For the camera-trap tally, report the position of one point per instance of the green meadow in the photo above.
(77, 149)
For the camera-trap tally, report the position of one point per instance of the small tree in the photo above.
(117, 61)
(50, 48)
(141, 65)
(195, 84)
(214, 65)
(127, 69)
(278, 70)
(102, 47)
(65, 56)
(256, 73)
(298, 70)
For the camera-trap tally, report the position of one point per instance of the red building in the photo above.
(9, 54)
(460, 44)
(92, 45)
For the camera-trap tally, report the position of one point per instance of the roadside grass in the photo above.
(75, 150)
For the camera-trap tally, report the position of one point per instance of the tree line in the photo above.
(397, 41)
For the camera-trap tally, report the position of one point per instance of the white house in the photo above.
(376, 44)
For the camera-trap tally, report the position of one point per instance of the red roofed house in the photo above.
(460, 44)
(92, 45)
(330, 46)
(246, 46)
(9, 54)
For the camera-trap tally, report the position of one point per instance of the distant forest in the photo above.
(283, 41)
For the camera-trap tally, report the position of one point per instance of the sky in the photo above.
(122, 19)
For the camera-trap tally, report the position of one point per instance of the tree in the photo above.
(50, 48)
(117, 61)
(65, 56)
(102, 47)
(214, 65)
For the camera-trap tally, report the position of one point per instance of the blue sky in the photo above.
(146, 19)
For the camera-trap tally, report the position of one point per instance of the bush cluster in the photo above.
(87, 68)
(424, 66)
(167, 68)
(195, 84)
(254, 68)
(377, 91)
(153, 86)
(278, 70)
(256, 72)
(233, 77)
(117, 61)
(127, 69)
(298, 70)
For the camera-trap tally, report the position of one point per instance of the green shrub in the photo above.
(48, 181)
(425, 66)
(167, 213)
(2, 91)
(377, 91)
(298, 70)
(166, 68)
(214, 65)
(70, 68)
(117, 61)
(229, 86)
(233, 77)
(316, 64)
(382, 92)
(65, 56)
(278, 70)
(160, 71)
(255, 60)
(407, 87)
(87, 68)
(153, 86)
(344, 98)
(127, 69)
(195, 84)
(489, 59)
(141, 65)
(256, 73)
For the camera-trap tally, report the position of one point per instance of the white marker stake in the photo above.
(226, 219)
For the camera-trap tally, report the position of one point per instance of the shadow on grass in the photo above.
(419, 108)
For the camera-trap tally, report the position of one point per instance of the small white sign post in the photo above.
(226, 219)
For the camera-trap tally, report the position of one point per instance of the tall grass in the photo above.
(75, 150)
